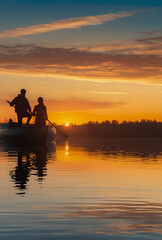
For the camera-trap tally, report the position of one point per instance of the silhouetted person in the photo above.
(40, 162)
(22, 107)
(21, 173)
(40, 112)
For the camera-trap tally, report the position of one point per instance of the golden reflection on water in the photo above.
(67, 148)
(105, 187)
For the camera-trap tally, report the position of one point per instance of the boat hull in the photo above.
(28, 134)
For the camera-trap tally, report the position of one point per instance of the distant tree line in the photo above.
(113, 129)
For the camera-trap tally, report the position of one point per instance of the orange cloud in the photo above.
(120, 64)
(76, 22)
(145, 46)
(79, 105)
(109, 93)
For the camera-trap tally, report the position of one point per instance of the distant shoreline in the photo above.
(114, 129)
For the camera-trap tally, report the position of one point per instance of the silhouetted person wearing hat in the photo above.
(40, 112)
(22, 107)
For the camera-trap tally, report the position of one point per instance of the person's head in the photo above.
(23, 92)
(40, 100)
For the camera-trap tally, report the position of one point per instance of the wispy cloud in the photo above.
(79, 105)
(149, 32)
(152, 40)
(76, 22)
(109, 93)
(140, 46)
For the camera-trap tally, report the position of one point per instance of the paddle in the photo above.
(63, 134)
(8, 102)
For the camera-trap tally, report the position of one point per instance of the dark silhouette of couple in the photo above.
(23, 110)
(35, 162)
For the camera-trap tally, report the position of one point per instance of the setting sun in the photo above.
(67, 124)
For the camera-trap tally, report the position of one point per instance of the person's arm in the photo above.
(46, 117)
(34, 111)
(28, 105)
(13, 102)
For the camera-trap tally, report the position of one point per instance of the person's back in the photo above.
(22, 107)
(41, 113)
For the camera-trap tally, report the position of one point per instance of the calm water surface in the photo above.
(82, 189)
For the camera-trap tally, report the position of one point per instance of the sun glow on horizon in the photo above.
(83, 75)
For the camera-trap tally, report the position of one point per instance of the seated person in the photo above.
(41, 113)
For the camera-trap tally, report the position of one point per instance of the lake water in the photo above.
(82, 189)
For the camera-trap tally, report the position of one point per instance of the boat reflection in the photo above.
(31, 160)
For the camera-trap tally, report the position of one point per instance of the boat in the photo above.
(31, 133)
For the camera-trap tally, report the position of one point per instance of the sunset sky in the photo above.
(89, 60)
